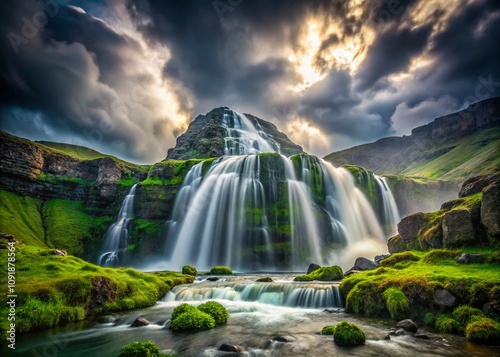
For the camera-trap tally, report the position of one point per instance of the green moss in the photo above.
(220, 270)
(216, 310)
(55, 289)
(447, 324)
(328, 330)
(194, 320)
(465, 314)
(142, 349)
(189, 270)
(332, 273)
(429, 319)
(59, 179)
(397, 303)
(483, 330)
(366, 298)
(399, 257)
(182, 308)
(348, 334)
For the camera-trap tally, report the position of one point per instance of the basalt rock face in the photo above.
(205, 135)
(438, 140)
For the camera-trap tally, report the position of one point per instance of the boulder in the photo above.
(230, 348)
(380, 257)
(422, 336)
(400, 332)
(457, 228)
(312, 267)
(139, 322)
(443, 297)
(213, 278)
(396, 244)
(477, 184)
(410, 225)
(490, 211)
(387, 337)
(362, 263)
(407, 325)
(467, 258)
(266, 279)
(283, 339)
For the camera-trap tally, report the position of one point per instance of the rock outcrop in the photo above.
(206, 134)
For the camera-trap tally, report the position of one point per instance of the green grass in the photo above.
(397, 303)
(483, 330)
(324, 274)
(54, 289)
(473, 284)
(447, 324)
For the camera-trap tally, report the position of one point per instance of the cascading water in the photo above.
(308, 295)
(390, 209)
(117, 237)
(255, 209)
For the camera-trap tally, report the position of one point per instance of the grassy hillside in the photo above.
(470, 156)
(53, 289)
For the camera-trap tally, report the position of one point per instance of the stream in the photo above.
(258, 313)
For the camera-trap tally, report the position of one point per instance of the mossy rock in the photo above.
(216, 310)
(189, 270)
(194, 320)
(332, 273)
(465, 314)
(266, 279)
(483, 330)
(398, 258)
(182, 308)
(397, 303)
(142, 349)
(328, 330)
(221, 270)
(348, 334)
(447, 324)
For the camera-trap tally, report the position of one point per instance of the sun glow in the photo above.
(307, 135)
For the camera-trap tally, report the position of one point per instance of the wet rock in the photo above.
(443, 297)
(457, 228)
(407, 325)
(380, 257)
(400, 332)
(490, 211)
(230, 348)
(106, 319)
(422, 336)
(387, 337)
(362, 263)
(266, 279)
(392, 333)
(312, 267)
(331, 311)
(467, 258)
(213, 278)
(410, 225)
(139, 322)
(284, 339)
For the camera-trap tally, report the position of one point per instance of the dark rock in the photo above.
(362, 263)
(380, 257)
(410, 225)
(230, 348)
(205, 135)
(407, 325)
(351, 271)
(422, 336)
(332, 311)
(490, 211)
(387, 337)
(400, 332)
(266, 279)
(106, 319)
(443, 297)
(467, 258)
(392, 333)
(213, 278)
(396, 244)
(477, 184)
(283, 339)
(312, 267)
(457, 228)
(139, 322)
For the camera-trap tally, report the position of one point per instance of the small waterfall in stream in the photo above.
(308, 295)
(390, 209)
(117, 237)
(255, 209)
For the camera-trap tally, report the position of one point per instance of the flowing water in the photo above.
(117, 237)
(258, 312)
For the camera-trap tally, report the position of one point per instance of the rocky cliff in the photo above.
(205, 136)
(455, 146)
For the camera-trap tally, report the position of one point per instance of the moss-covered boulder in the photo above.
(182, 308)
(483, 330)
(194, 320)
(332, 273)
(221, 270)
(397, 303)
(216, 310)
(328, 330)
(142, 349)
(348, 334)
(189, 270)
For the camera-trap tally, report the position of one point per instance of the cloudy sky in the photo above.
(126, 77)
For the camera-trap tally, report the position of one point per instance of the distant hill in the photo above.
(454, 147)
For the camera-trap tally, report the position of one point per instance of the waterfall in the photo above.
(117, 237)
(308, 295)
(390, 214)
